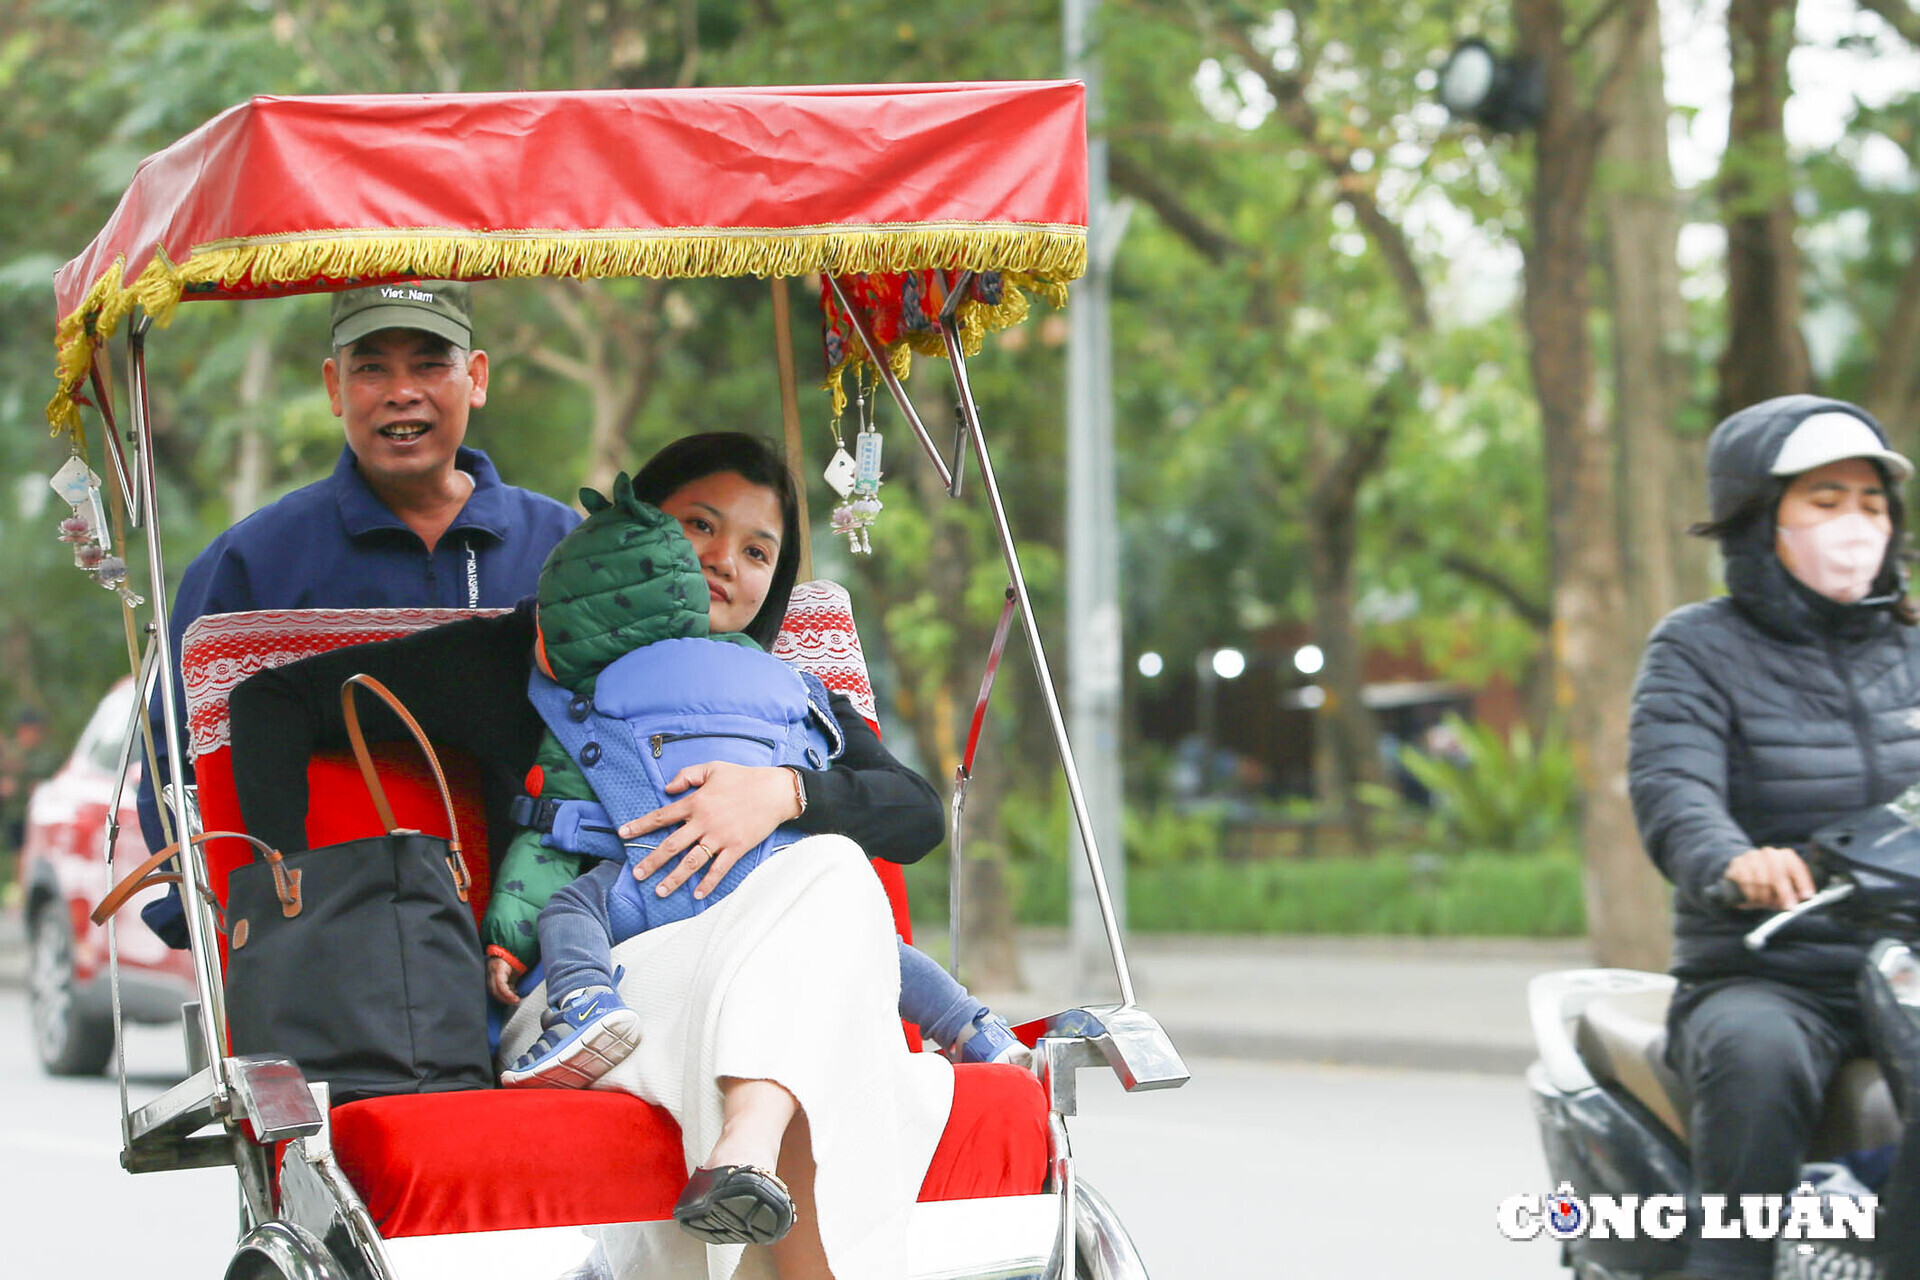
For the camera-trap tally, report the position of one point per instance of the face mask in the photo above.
(1839, 558)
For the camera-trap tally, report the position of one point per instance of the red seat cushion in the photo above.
(504, 1159)
(995, 1143)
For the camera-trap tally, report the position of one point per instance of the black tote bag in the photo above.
(360, 960)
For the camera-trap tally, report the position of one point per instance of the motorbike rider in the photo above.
(1758, 717)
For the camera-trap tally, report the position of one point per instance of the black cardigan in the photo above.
(465, 682)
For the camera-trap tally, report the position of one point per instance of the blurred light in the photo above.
(1466, 81)
(1505, 94)
(1308, 659)
(1228, 664)
(1313, 697)
(1151, 664)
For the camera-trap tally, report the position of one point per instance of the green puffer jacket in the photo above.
(624, 578)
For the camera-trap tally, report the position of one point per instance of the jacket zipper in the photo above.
(1862, 724)
(659, 740)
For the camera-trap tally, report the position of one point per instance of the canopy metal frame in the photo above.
(950, 477)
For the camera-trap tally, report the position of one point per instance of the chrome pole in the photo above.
(110, 840)
(122, 476)
(955, 843)
(1076, 797)
(200, 930)
(948, 311)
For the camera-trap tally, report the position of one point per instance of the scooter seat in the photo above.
(1859, 1114)
(1623, 1040)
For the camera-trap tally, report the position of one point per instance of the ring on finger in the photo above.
(706, 854)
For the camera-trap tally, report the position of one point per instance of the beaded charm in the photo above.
(860, 476)
(85, 528)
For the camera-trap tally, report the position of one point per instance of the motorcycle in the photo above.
(1613, 1115)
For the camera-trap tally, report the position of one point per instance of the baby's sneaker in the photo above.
(988, 1038)
(582, 1038)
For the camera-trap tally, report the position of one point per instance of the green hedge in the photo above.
(1455, 894)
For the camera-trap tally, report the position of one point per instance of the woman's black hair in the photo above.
(1754, 519)
(756, 461)
(1756, 512)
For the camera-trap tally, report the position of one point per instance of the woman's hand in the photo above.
(1771, 877)
(730, 808)
(500, 981)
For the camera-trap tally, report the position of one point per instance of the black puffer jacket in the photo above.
(1764, 714)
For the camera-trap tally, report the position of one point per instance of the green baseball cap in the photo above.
(442, 308)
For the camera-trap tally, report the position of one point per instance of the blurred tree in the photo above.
(1594, 647)
(1766, 353)
(1659, 465)
(1863, 271)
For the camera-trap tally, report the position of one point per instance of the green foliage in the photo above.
(1178, 879)
(1472, 894)
(1511, 794)
(1475, 894)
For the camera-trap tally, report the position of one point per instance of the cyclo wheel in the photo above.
(1102, 1248)
(283, 1251)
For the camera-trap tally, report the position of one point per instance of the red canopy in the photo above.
(303, 195)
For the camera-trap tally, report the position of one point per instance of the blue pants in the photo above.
(576, 941)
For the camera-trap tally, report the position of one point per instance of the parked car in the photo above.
(64, 870)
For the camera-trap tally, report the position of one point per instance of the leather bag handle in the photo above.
(456, 861)
(286, 880)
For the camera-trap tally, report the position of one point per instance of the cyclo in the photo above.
(962, 198)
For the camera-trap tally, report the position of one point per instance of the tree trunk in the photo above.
(1766, 353)
(1894, 386)
(1593, 655)
(249, 447)
(1640, 221)
(636, 343)
(620, 345)
(1349, 739)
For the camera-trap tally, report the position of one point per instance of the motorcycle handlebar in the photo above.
(1836, 890)
(1724, 895)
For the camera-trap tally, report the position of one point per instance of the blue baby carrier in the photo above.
(654, 711)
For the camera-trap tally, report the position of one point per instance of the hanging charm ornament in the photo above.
(860, 475)
(85, 527)
(841, 468)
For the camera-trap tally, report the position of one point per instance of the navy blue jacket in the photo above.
(335, 545)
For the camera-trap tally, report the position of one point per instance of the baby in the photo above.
(624, 658)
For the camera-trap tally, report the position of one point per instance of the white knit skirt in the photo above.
(794, 977)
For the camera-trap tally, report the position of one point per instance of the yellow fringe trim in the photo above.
(1045, 254)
